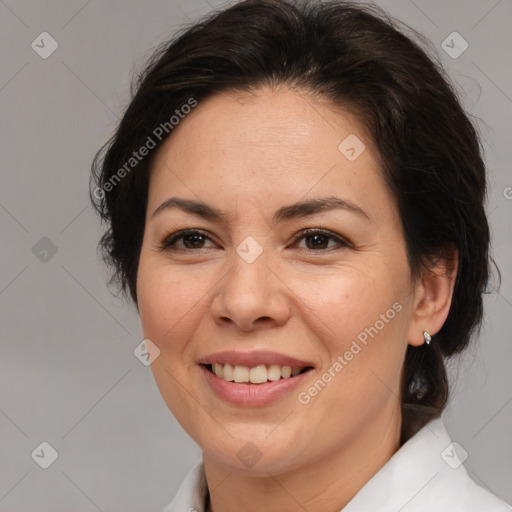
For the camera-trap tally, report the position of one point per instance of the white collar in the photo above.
(424, 475)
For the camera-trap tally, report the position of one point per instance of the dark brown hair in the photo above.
(357, 57)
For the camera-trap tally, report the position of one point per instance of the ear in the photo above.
(433, 296)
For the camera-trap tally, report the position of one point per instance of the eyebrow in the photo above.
(297, 210)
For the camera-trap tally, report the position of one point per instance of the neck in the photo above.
(327, 484)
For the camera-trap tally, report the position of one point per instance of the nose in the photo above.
(250, 295)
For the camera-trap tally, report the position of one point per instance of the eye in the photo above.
(191, 239)
(318, 239)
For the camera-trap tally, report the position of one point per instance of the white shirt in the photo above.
(424, 475)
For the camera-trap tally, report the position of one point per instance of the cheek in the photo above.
(348, 300)
(360, 317)
(169, 304)
(170, 308)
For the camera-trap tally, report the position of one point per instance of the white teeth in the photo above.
(286, 371)
(274, 372)
(256, 374)
(218, 370)
(228, 372)
(241, 373)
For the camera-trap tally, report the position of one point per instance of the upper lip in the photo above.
(251, 359)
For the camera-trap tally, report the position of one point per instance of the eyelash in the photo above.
(168, 242)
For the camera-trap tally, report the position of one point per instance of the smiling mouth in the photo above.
(259, 374)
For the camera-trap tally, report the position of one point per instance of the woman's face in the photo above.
(252, 290)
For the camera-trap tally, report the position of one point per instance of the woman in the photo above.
(295, 205)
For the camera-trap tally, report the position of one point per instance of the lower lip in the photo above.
(252, 395)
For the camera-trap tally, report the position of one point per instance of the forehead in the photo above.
(266, 143)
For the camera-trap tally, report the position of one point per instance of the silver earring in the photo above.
(427, 337)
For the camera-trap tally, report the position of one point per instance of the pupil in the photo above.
(319, 240)
(197, 238)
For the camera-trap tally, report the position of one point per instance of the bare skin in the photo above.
(249, 155)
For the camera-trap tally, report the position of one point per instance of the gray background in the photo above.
(68, 374)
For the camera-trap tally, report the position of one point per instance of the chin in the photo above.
(254, 455)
